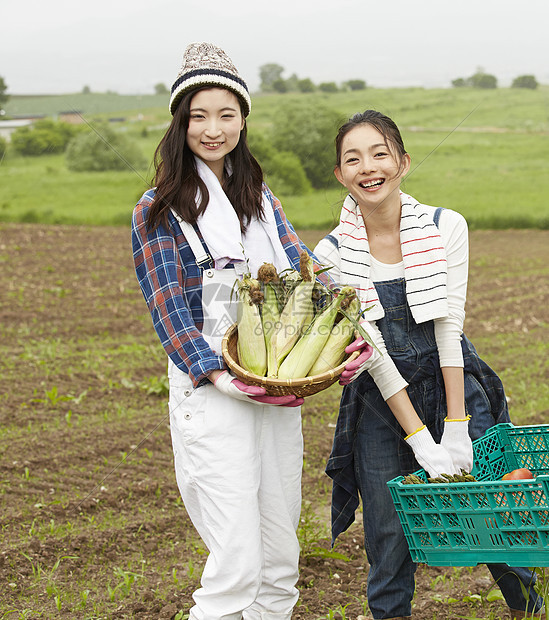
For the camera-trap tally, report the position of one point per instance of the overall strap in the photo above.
(201, 256)
(436, 216)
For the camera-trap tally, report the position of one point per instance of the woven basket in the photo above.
(306, 386)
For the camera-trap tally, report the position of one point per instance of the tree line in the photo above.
(271, 78)
(481, 79)
(295, 152)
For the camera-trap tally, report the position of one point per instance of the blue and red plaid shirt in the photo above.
(171, 283)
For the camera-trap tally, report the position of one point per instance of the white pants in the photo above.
(238, 468)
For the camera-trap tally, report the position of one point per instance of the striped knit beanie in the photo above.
(205, 64)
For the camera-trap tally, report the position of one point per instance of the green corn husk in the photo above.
(297, 313)
(342, 334)
(251, 348)
(270, 313)
(302, 357)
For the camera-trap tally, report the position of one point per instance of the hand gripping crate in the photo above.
(492, 520)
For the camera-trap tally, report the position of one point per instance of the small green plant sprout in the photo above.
(84, 598)
(23, 614)
(542, 584)
(53, 397)
(123, 588)
(438, 579)
(340, 611)
(157, 386)
(494, 594)
(36, 568)
(39, 574)
(309, 532)
(190, 568)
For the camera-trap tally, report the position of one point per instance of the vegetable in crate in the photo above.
(518, 474)
(251, 348)
(298, 311)
(305, 353)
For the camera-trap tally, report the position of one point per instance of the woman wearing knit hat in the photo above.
(238, 453)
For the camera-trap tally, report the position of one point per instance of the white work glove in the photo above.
(433, 457)
(229, 385)
(457, 442)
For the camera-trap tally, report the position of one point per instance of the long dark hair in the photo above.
(177, 180)
(386, 127)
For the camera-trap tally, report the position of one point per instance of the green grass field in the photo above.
(482, 153)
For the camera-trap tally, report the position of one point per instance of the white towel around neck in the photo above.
(220, 228)
(423, 254)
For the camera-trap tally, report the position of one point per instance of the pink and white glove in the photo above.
(456, 440)
(355, 368)
(229, 385)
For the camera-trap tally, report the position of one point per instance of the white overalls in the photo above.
(238, 467)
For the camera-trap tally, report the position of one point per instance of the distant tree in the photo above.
(483, 80)
(3, 88)
(86, 90)
(103, 149)
(291, 83)
(306, 85)
(283, 170)
(3, 147)
(268, 74)
(356, 84)
(286, 174)
(43, 138)
(328, 87)
(525, 81)
(160, 89)
(280, 86)
(459, 83)
(309, 133)
(480, 79)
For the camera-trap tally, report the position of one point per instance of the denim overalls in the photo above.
(369, 450)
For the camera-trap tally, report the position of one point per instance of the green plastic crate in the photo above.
(492, 520)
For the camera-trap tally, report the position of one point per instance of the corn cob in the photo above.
(304, 354)
(252, 352)
(270, 313)
(342, 334)
(297, 312)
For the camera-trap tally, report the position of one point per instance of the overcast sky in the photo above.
(128, 46)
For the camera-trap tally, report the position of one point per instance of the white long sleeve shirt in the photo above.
(453, 230)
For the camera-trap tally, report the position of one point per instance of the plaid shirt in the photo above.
(171, 283)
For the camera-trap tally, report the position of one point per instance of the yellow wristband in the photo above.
(466, 419)
(416, 431)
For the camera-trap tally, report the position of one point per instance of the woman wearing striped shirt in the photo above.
(429, 394)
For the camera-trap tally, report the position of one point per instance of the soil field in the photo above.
(91, 523)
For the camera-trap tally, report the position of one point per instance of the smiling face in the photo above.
(214, 127)
(369, 168)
